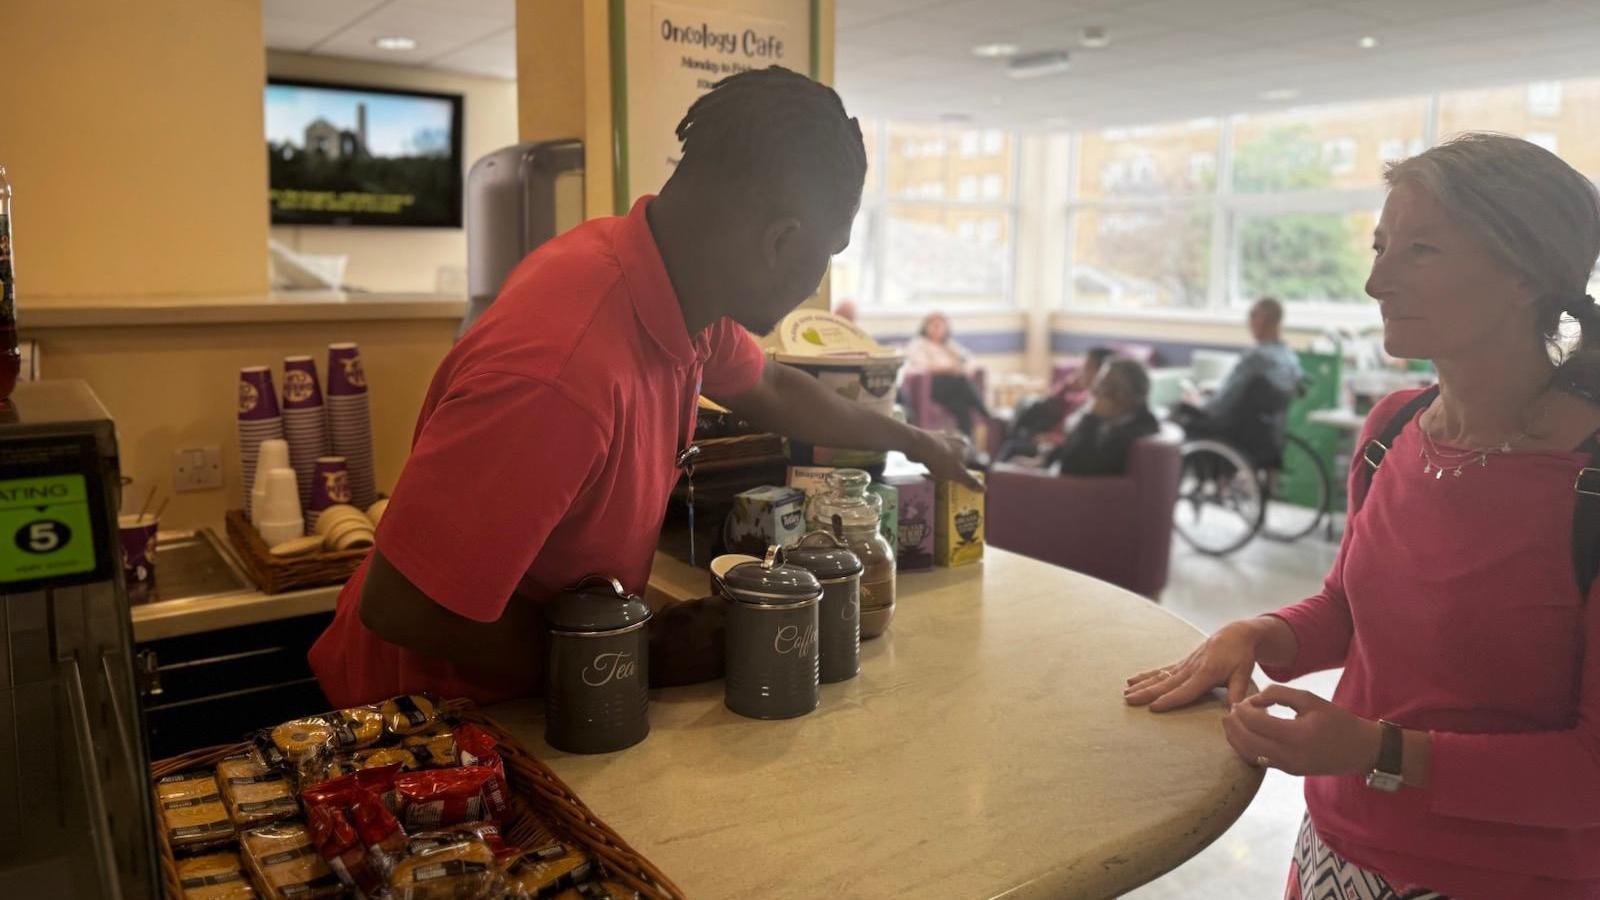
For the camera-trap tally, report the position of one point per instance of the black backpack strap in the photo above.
(1586, 519)
(1377, 447)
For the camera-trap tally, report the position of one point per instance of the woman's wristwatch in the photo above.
(1388, 775)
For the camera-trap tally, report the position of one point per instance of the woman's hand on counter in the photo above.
(1226, 659)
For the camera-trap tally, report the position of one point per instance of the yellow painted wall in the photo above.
(403, 259)
(174, 387)
(132, 135)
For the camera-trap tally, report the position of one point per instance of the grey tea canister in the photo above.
(772, 654)
(597, 692)
(839, 614)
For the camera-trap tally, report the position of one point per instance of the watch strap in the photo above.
(1391, 749)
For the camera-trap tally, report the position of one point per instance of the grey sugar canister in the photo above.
(839, 614)
(772, 639)
(597, 691)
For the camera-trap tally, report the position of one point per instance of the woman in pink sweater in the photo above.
(1460, 756)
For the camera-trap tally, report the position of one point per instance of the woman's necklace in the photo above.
(1437, 461)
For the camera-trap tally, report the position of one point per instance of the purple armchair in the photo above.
(924, 412)
(1118, 529)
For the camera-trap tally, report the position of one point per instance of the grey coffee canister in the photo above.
(596, 697)
(771, 639)
(839, 614)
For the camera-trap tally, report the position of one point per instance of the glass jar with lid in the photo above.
(850, 512)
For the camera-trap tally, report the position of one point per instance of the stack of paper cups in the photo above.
(331, 487)
(259, 421)
(350, 421)
(305, 423)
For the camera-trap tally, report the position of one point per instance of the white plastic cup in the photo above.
(279, 506)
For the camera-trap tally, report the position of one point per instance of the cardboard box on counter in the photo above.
(763, 517)
(958, 531)
(914, 517)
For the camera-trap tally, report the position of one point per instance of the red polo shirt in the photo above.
(545, 450)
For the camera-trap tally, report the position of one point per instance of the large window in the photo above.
(1210, 214)
(938, 219)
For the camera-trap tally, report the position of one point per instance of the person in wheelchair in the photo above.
(1250, 410)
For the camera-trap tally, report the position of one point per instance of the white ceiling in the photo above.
(1168, 59)
(476, 37)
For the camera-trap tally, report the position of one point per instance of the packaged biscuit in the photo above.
(433, 749)
(358, 727)
(303, 740)
(192, 811)
(464, 868)
(958, 528)
(409, 714)
(382, 757)
(214, 876)
(607, 890)
(546, 871)
(487, 832)
(285, 865)
(432, 798)
(254, 793)
(353, 831)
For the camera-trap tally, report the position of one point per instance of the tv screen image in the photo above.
(347, 155)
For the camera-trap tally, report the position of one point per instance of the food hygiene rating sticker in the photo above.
(44, 528)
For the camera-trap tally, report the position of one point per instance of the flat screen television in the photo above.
(354, 155)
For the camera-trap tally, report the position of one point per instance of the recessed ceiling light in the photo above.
(1038, 65)
(394, 42)
(1280, 94)
(1095, 37)
(995, 51)
(1368, 42)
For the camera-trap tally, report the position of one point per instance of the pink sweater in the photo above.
(1453, 608)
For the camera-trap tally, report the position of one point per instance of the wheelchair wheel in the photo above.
(1299, 495)
(1221, 501)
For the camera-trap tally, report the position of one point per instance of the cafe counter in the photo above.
(984, 750)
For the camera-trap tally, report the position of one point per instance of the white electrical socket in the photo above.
(197, 469)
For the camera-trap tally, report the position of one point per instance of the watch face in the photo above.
(1383, 781)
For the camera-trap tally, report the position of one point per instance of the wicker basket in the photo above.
(545, 808)
(273, 574)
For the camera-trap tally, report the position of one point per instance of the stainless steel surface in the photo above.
(193, 565)
(75, 804)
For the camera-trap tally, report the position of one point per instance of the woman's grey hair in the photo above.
(1540, 217)
(1131, 374)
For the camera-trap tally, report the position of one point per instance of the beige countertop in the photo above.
(174, 618)
(984, 751)
(299, 306)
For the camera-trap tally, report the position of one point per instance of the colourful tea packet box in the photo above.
(763, 517)
(958, 529)
(913, 546)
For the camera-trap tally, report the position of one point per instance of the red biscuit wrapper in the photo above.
(353, 830)
(439, 797)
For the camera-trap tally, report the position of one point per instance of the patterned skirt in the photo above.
(1318, 873)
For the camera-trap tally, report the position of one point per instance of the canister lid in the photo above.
(597, 603)
(824, 556)
(769, 583)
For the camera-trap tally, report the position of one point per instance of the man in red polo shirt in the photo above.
(546, 447)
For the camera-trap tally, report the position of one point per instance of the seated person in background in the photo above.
(935, 353)
(1043, 415)
(1120, 414)
(1258, 389)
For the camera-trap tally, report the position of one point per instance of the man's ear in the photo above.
(776, 238)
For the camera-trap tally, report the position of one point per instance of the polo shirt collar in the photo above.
(655, 303)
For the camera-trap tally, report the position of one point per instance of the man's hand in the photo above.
(945, 455)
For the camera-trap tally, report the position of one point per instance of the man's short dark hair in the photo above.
(1272, 308)
(776, 136)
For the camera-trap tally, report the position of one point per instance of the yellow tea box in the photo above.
(958, 524)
